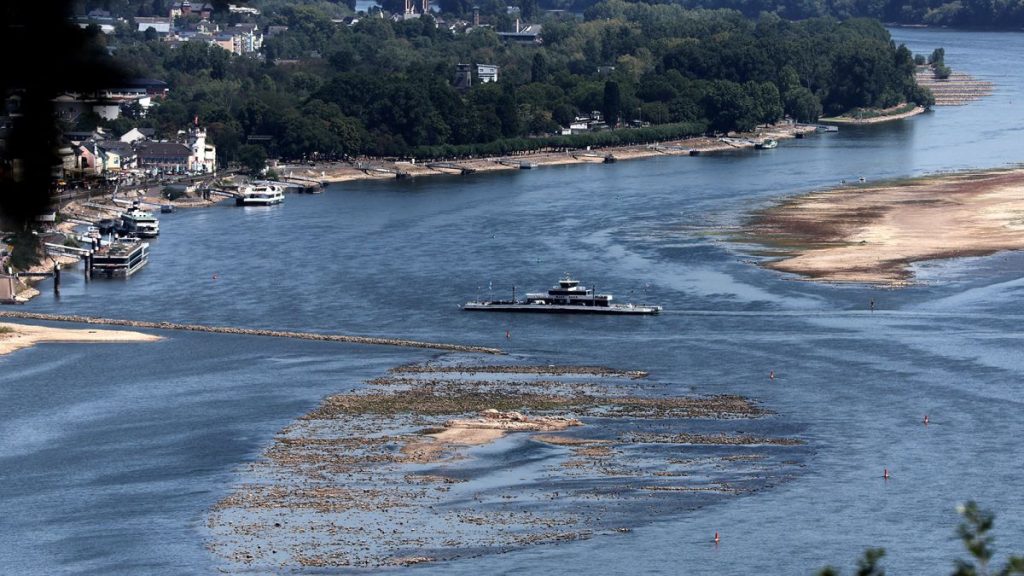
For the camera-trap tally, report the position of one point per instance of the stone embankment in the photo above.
(957, 90)
(250, 332)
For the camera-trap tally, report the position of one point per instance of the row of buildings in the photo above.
(185, 22)
(98, 153)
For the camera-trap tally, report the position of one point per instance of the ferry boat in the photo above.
(119, 259)
(567, 297)
(260, 194)
(140, 223)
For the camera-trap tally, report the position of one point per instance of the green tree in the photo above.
(253, 157)
(974, 532)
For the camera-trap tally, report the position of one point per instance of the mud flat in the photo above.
(18, 336)
(433, 465)
(872, 234)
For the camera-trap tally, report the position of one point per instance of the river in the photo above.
(111, 455)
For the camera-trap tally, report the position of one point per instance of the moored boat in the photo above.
(567, 297)
(260, 194)
(766, 144)
(140, 223)
(119, 259)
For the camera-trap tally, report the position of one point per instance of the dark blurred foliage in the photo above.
(44, 55)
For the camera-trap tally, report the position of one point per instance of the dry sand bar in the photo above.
(251, 332)
(872, 234)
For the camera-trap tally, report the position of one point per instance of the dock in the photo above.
(451, 166)
(521, 164)
(378, 169)
(301, 183)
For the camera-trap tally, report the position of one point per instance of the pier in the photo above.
(372, 169)
(401, 342)
(521, 164)
(451, 166)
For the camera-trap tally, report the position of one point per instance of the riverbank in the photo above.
(873, 234)
(19, 336)
(876, 116)
(375, 170)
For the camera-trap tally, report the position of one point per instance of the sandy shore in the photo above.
(24, 336)
(851, 120)
(872, 234)
(344, 172)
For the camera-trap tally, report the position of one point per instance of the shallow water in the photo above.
(110, 455)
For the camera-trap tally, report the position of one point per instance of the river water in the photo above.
(110, 455)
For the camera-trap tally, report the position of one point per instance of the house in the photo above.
(487, 73)
(85, 160)
(523, 35)
(186, 9)
(136, 135)
(243, 10)
(246, 38)
(167, 156)
(162, 26)
(463, 76)
(114, 155)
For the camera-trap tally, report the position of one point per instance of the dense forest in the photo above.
(380, 87)
(983, 14)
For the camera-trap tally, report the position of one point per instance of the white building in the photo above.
(487, 72)
(203, 156)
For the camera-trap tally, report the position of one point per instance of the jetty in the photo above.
(401, 342)
(521, 164)
(378, 169)
(451, 166)
(303, 184)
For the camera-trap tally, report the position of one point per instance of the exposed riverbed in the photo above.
(112, 456)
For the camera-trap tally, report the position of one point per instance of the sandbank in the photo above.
(24, 336)
(872, 234)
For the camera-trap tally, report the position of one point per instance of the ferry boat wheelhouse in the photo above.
(568, 296)
(260, 194)
(119, 259)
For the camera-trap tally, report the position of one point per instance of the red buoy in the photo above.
(716, 536)
(885, 474)
(771, 375)
(925, 419)
(508, 334)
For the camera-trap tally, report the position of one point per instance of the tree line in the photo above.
(385, 88)
(977, 14)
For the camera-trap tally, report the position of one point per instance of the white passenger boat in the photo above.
(260, 194)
